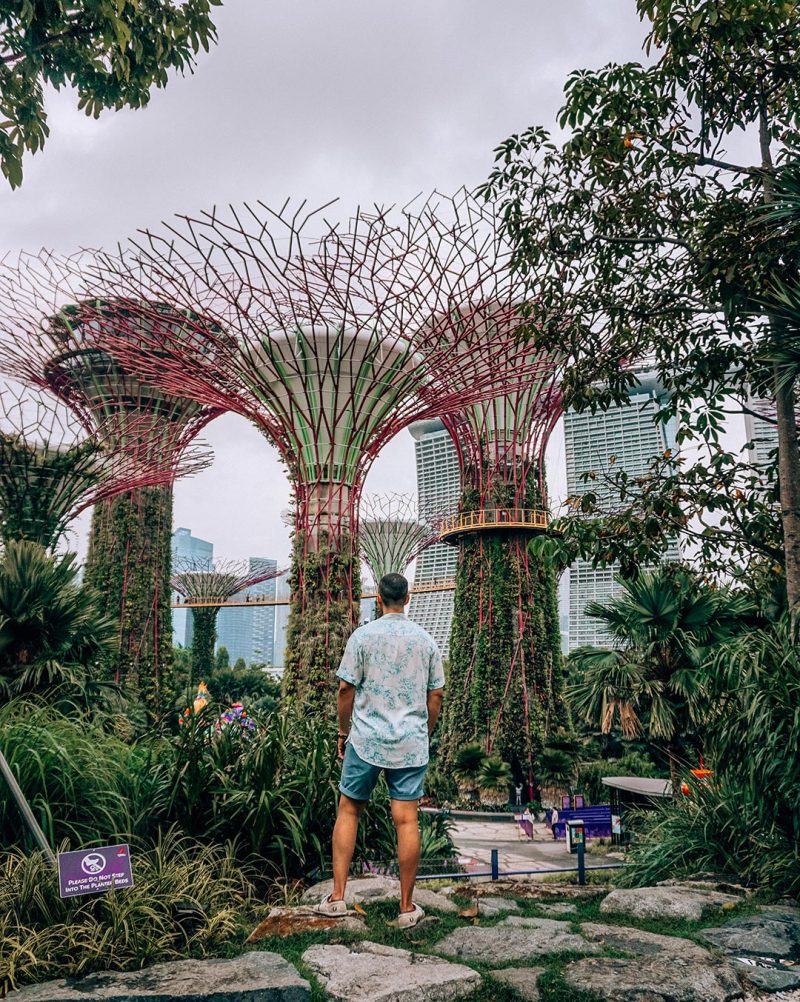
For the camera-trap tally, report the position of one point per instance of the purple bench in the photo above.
(596, 819)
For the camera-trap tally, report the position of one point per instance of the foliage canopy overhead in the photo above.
(113, 52)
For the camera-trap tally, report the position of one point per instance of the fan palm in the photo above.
(50, 628)
(662, 625)
(494, 779)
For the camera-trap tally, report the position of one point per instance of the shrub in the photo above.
(187, 901)
(51, 633)
(746, 821)
(720, 828)
(83, 784)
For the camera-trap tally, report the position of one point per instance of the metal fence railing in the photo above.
(438, 869)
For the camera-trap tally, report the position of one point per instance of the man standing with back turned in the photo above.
(390, 697)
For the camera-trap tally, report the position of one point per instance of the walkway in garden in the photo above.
(475, 839)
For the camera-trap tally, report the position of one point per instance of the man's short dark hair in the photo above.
(393, 589)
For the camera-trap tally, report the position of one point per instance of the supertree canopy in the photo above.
(206, 591)
(506, 674)
(331, 340)
(391, 533)
(54, 328)
(52, 468)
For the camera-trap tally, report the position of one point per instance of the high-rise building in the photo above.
(439, 487)
(188, 553)
(761, 431)
(625, 437)
(248, 632)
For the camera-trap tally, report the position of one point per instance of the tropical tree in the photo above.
(640, 227)
(746, 821)
(113, 52)
(663, 625)
(51, 631)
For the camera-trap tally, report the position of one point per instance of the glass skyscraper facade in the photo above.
(439, 487)
(625, 437)
(188, 553)
(248, 632)
(761, 431)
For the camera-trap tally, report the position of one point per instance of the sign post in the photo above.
(25, 811)
(94, 871)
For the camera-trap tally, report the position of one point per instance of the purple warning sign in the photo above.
(92, 871)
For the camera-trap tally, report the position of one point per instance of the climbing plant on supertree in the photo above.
(335, 338)
(506, 675)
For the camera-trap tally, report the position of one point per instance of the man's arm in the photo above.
(344, 702)
(435, 697)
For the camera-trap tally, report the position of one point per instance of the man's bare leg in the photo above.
(404, 815)
(345, 832)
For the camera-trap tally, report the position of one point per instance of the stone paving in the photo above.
(754, 957)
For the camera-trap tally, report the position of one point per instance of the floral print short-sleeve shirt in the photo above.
(393, 663)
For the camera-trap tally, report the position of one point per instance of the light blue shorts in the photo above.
(359, 778)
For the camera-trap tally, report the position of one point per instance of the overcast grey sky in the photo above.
(368, 100)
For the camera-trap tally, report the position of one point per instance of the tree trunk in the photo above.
(789, 479)
(674, 775)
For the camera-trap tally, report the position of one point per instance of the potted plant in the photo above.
(494, 780)
(468, 761)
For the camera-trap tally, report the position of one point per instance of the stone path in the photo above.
(758, 953)
(253, 977)
(512, 940)
(369, 972)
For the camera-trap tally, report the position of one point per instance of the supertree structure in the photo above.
(206, 591)
(392, 533)
(54, 334)
(331, 340)
(506, 675)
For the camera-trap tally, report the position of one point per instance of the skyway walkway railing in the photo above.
(255, 600)
(530, 519)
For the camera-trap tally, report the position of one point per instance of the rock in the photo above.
(290, 921)
(537, 890)
(674, 901)
(252, 977)
(491, 907)
(644, 944)
(512, 940)
(774, 932)
(366, 889)
(522, 979)
(769, 979)
(654, 979)
(559, 908)
(369, 972)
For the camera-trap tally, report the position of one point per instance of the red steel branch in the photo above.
(54, 335)
(228, 578)
(331, 339)
(52, 468)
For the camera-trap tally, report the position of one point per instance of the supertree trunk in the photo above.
(128, 564)
(324, 611)
(204, 640)
(505, 680)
